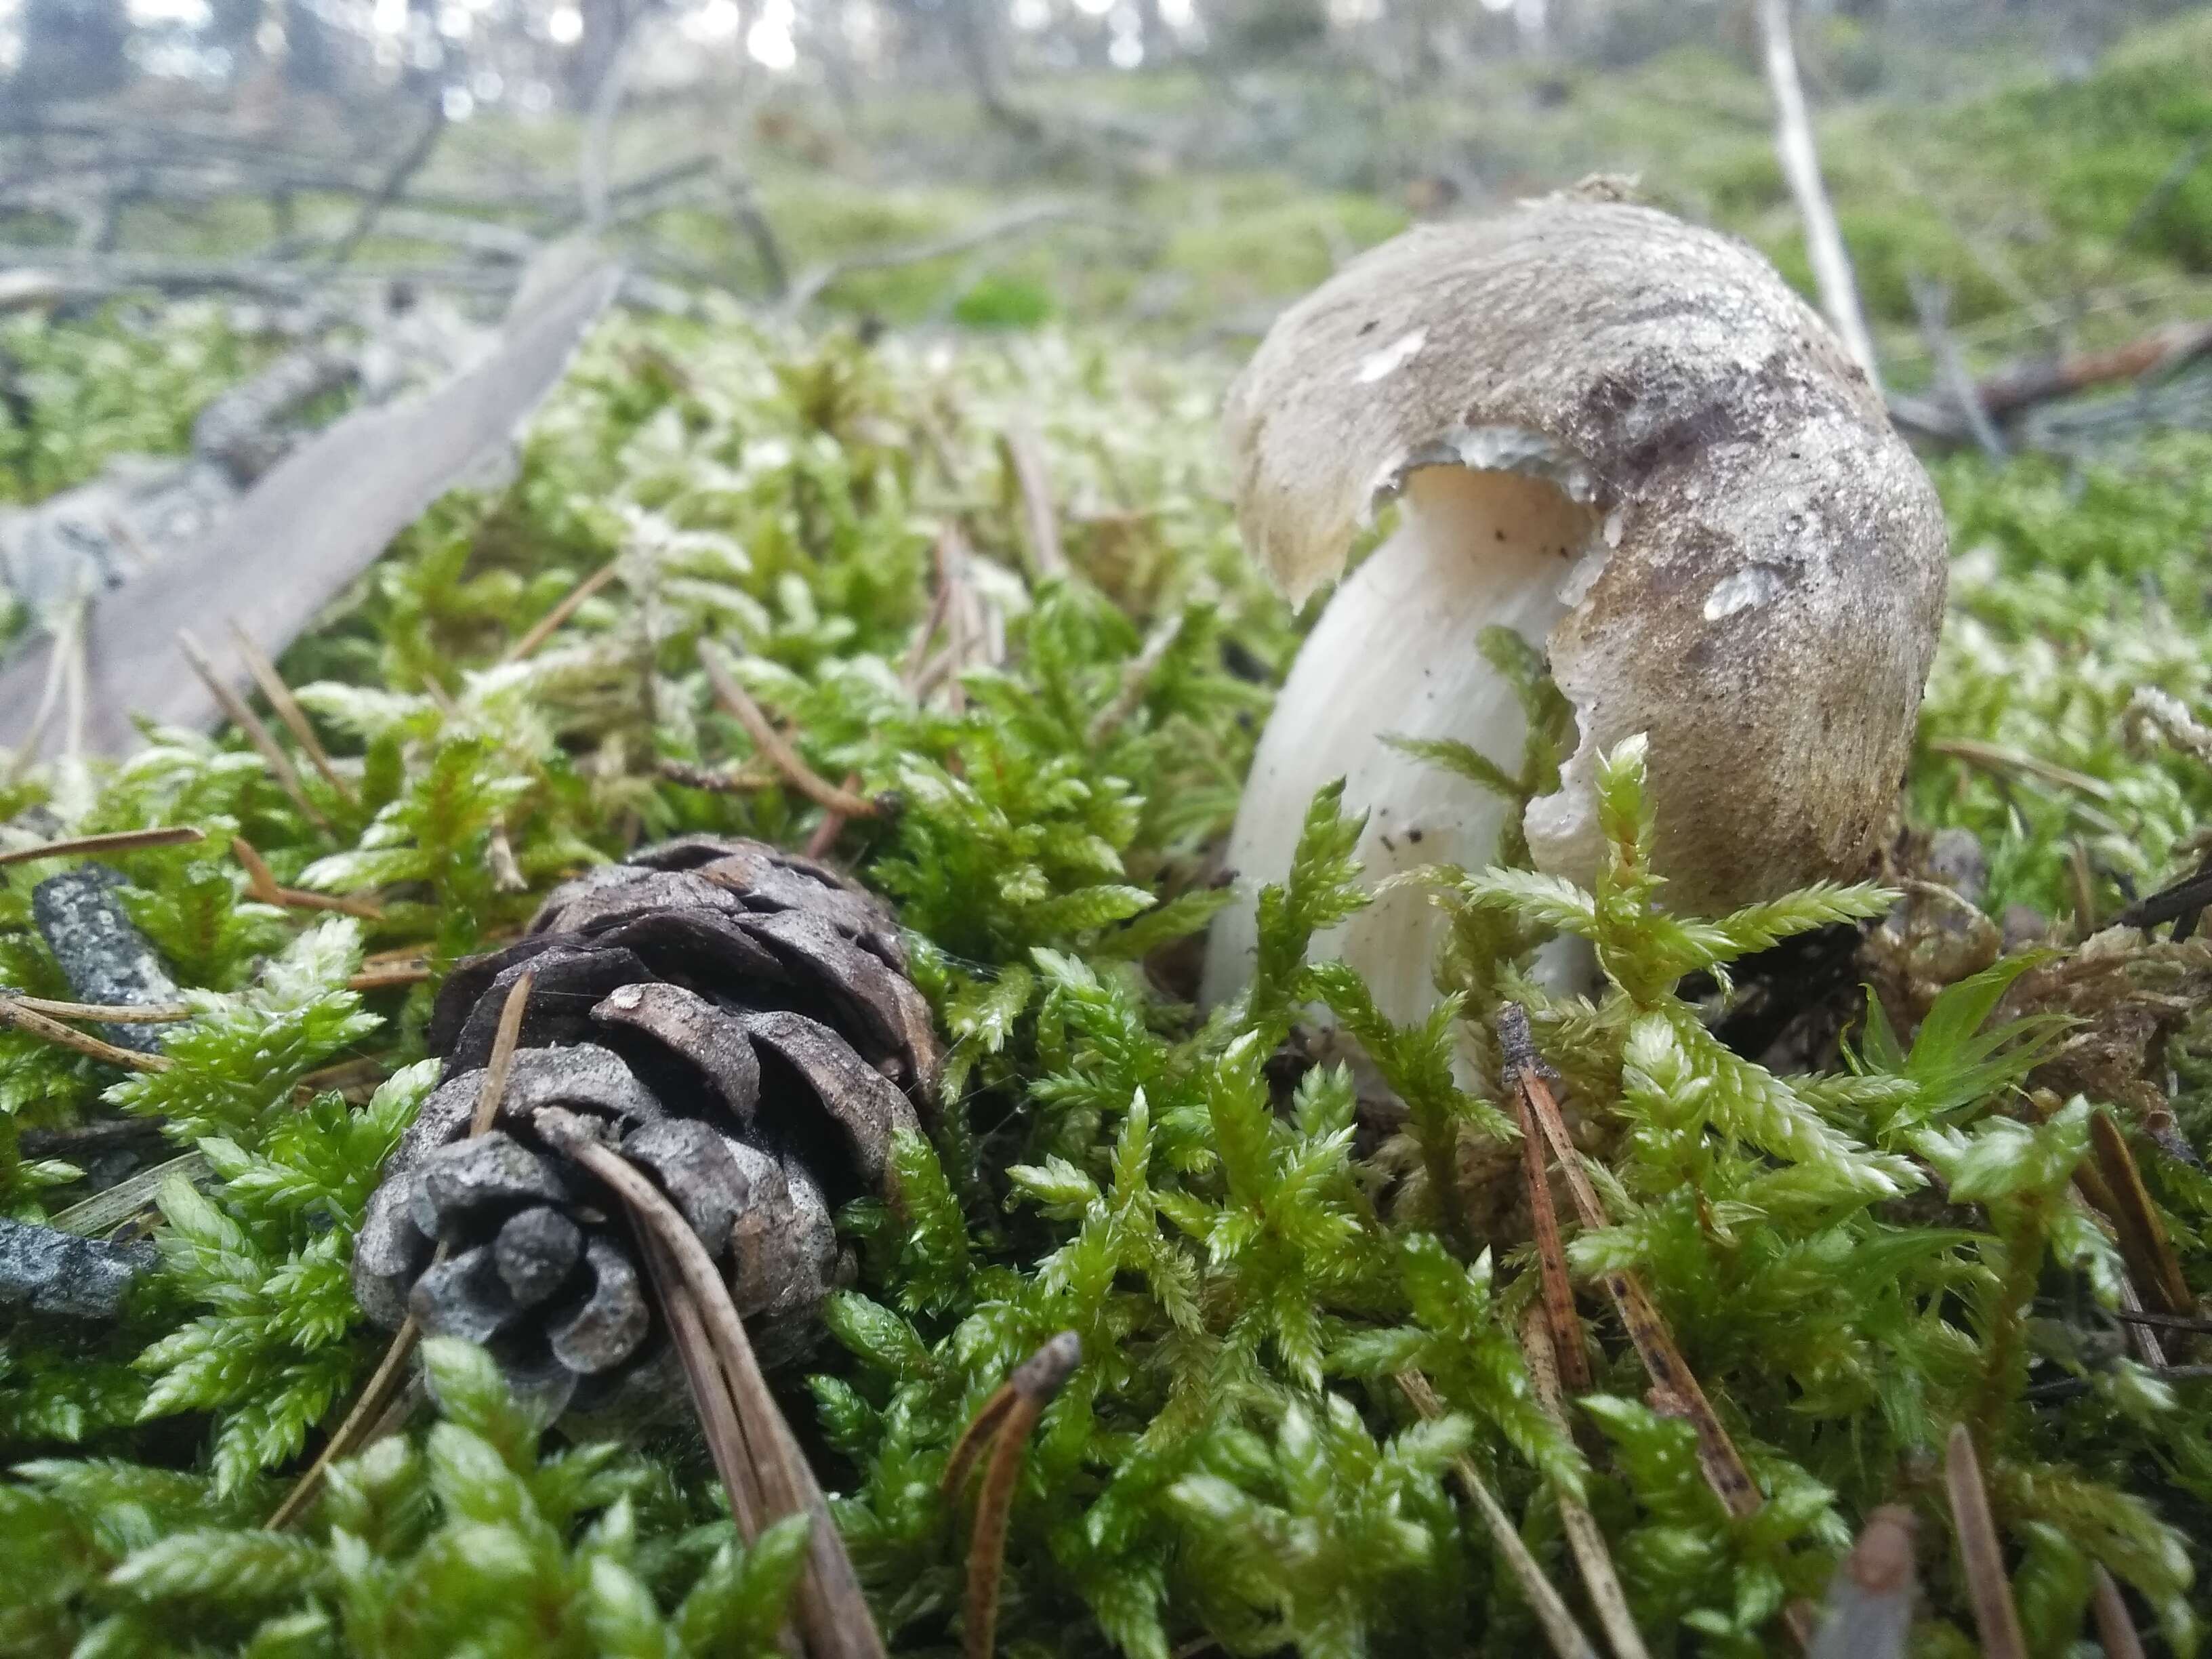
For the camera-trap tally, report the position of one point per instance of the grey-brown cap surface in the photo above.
(1771, 557)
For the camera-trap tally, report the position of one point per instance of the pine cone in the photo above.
(741, 1021)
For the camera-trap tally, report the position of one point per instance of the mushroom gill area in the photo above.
(1396, 654)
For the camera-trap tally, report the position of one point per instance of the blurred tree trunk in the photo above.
(983, 58)
(311, 56)
(606, 24)
(71, 49)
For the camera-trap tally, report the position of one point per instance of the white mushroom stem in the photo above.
(1395, 654)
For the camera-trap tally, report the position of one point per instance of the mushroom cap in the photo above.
(1773, 557)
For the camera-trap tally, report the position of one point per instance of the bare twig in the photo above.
(548, 624)
(115, 841)
(1585, 1538)
(236, 711)
(778, 753)
(389, 977)
(368, 1415)
(288, 709)
(1565, 1636)
(1931, 301)
(506, 875)
(1005, 1422)
(1994, 1616)
(1800, 165)
(411, 162)
(99, 1215)
(810, 286)
(110, 1013)
(261, 883)
(1994, 758)
(1722, 1464)
(2116, 1626)
(2153, 1266)
(1565, 1324)
(32, 1024)
(1136, 679)
(1024, 453)
(721, 780)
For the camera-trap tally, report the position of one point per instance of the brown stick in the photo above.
(572, 602)
(2011, 390)
(1722, 1464)
(973, 1439)
(261, 883)
(771, 743)
(1585, 1538)
(1136, 677)
(13, 1012)
(725, 781)
(110, 1013)
(1032, 1386)
(1566, 1325)
(2116, 1626)
(288, 710)
(236, 711)
(1026, 457)
(388, 979)
(368, 1416)
(2149, 1253)
(1994, 1616)
(718, 1412)
(114, 840)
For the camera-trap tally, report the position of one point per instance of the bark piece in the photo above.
(101, 952)
(61, 1276)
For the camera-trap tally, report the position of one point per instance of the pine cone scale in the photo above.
(736, 1023)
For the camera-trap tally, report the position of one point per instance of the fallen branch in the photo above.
(810, 286)
(32, 1024)
(288, 710)
(409, 162)
(1585, 1538)
(1800, 165)
(1024, 454)
(1932, 301)
(234, 709)
(774, 749)
(833, 1615)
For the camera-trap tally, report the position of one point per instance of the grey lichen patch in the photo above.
(99, 950)
(60, 1276)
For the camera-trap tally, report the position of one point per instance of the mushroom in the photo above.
(1626, 439)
